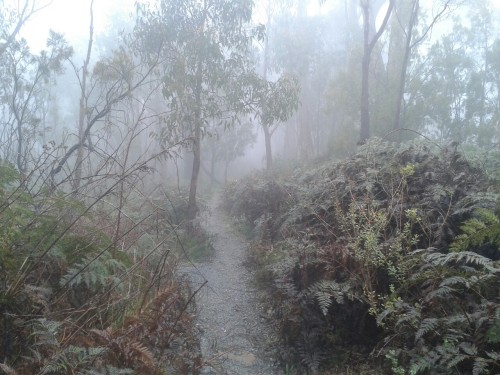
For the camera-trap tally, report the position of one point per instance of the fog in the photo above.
(297, 87)
(144, 144)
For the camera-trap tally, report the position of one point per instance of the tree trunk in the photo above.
(269, 154)
(192, 206)
(83, 107)
(368, 45)
(226, 167)
(404, 66)
(265, 127)
(365, 100)
(365, 72)
(212, 165)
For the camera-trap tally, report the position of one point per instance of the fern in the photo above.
(70, 359)
(484, 228)
(480, 367)
(93, 273)
(45, 332)
(428, 325)
(326, 290)
(7, 369)
(39, 295)
(108, 370)
(461, 258)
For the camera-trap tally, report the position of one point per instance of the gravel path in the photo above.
(233, 332)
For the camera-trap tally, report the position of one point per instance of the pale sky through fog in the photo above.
(71, 17)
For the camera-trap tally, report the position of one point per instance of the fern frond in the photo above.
(7, 369)
(326, 290)
(93, 273)
(38, 295)
(455, 280)
(493, 355)
(441, 292)
(481, 229)
(452, 259)
(108, 370)
(421, 366)
(468, 348)
(45, 332)
(427, 325)
(480, 367)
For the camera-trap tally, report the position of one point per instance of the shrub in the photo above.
(391, 252)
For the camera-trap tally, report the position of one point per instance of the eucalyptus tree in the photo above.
(108, 83)
(370, 39)
(309, 47)
(226, 146)
(207, 80)
(24, 83)
(454, 88)
(275, 103)
(405, 37)
(24, 88)
(12, 19)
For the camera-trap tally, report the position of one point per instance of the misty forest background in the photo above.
(357, 143)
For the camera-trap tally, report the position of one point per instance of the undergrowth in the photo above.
(388, 259)
(85, 289)
(193, 244)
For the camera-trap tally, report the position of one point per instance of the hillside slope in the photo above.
(392, 253)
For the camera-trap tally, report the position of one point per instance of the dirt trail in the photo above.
(233, 332)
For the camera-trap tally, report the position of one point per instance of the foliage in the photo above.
(71, 302)
(453, 90)
(388, 252)
(208, 79)
(478, 232)
(87, 285)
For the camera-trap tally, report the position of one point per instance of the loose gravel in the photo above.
(233, 331)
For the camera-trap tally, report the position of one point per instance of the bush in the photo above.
(393, 252)
(78, 294)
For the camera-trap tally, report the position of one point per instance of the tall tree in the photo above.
(13, 19)
(274, 104)
(208, 44)
(24, 79)
(369, 42)
(82, 109)
(403, 41)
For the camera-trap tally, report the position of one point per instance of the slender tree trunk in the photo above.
(83, 107)
(212, 165)
(365, 99)
(226, 167)
(265, 127)
(269, 154)
(20, 161)
(365, 73)
(192, 206)
(404, 66)
(368, 45)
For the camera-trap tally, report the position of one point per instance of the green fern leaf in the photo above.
(480, 366)
(493, 355)
(468, 348)
(427, 325)
(326, 290)
(483, 228)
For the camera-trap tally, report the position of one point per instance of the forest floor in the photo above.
(234, 335)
